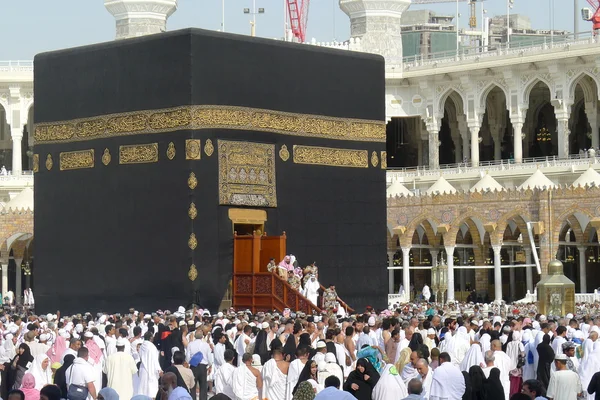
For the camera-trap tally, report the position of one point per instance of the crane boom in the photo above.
(298, 13)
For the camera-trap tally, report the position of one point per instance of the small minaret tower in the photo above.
(140, 17)
(377, 24)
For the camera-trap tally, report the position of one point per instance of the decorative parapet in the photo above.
(463, 196)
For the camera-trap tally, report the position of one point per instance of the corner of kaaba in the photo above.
(154, 155)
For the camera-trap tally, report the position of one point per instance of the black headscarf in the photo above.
(545, 361)
(365, 387)
(468, 388)
(25, 358)
(305, 374)
(477, 383)
(60, 378)
(493, 386)
(415, 341)
(289, 350)
(260, 346)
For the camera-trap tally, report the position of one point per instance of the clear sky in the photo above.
(32, 26)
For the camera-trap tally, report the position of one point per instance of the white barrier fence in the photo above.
(394, 299)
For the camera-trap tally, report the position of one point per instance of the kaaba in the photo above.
(144, 146)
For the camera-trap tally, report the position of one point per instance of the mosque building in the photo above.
(491, 150)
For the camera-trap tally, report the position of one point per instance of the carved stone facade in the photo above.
(135, 18)
(377, 25)
(563, 224)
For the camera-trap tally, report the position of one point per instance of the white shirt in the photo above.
(195, 346)
(80, 373)
(564, 385)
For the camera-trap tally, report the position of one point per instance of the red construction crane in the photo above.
(595, 18)
(298, 12)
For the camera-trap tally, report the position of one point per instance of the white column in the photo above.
(15, 120)
(518, 141)
(434, 149)
(563, 136)
(591, 111)
(17, 162)
(450, 262)
(528, 271)
(474, 144)
(582, 270)
(18, 288)
(406, 271)
(511, 275)
(4, 280)
(391, 272)
(497, 273)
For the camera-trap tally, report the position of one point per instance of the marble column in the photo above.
(18, 289)
(456, 138)
(518, 142)
(406, 271)
(563, 136)
(512, 281)
(4, 280)
(434, 149)
(450, 262)
(591, 111)
(391, 272)
(528, 271)
(497, 273)
(582, 270)
(474, 144)
(17, 163)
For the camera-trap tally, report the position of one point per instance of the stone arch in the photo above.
(406, 239)
(469, 219)
(587, 82)
(588, 233)
(531, 84)
(569, 216)
(8, 243)
(457, 98)
(521, 217)
(486, 91)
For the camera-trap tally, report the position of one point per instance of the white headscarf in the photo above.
(473, 357)
(390, 385)
(42, 377)
(514, 348)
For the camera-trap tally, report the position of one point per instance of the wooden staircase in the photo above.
(256, 289)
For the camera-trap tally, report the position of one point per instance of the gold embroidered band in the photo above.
(138, 153)
(209, 117)
(76, 159)
(331, 157)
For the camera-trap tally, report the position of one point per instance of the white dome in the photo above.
(487, 183)
(589, 177)
(22, 201)
(398, 189)
(537, 181)
(441, 186)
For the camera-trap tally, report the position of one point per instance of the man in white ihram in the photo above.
(311, 289)
(81, 375)
(426, 293)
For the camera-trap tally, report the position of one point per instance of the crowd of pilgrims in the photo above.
(422, 351)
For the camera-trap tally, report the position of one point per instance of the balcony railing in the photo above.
(16, 66)
(515, 48)
(496, 165)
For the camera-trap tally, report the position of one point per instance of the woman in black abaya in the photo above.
(477, 383)
(260, 346)
(19, 365)
(308, 372)
(362, 380)
(493, 386)
(546, 357)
